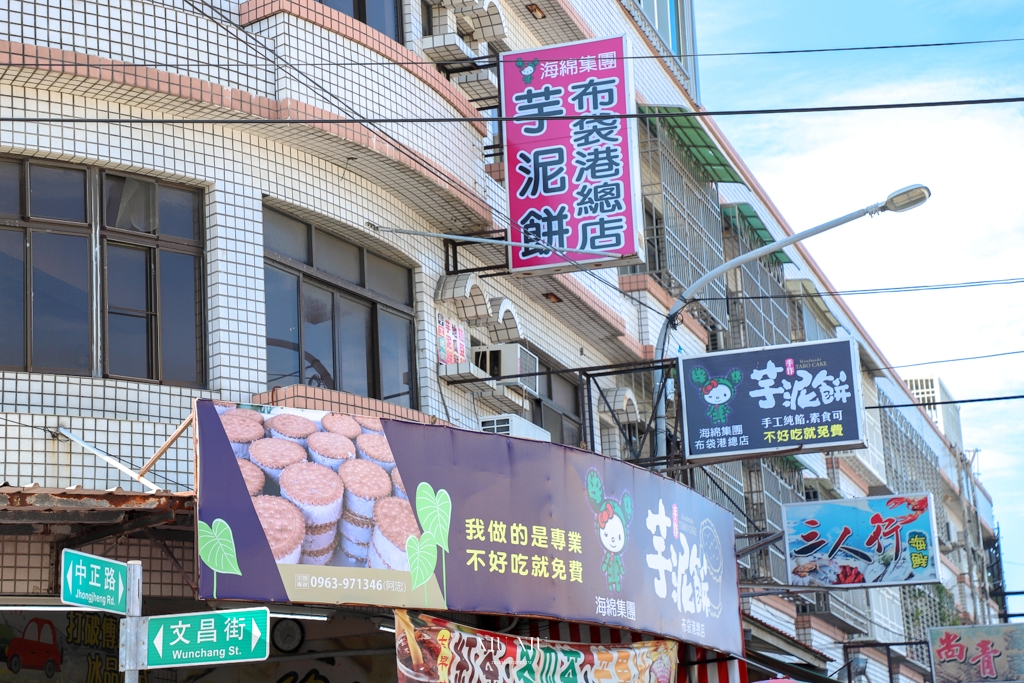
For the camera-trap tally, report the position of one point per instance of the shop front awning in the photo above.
(808, 291)
(749, 214)
(771, 641)
(692, 135)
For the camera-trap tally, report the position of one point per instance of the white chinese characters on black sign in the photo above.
(797, 396)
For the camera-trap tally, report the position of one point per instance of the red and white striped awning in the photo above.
(696, 664)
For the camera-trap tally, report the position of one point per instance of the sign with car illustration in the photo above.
(797, 397)
(36, 648)
(878, 541)
(61, 646)
(316, 507)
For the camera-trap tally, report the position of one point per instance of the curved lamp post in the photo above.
(899, 201)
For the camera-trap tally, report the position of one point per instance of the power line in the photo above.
(855, 49)
(988, 399)
(415, 156)
(51, 433)
(319, 86)
(226, 22)
(491, 61)
(950, 360)
(591, 272)
(859, 292)
(521, 119)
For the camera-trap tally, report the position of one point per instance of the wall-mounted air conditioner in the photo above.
(513, 425)
(502, 360)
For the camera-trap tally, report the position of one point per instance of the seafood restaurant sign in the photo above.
(880, 541)
(802, 397)
(315, 507)
(573, 182)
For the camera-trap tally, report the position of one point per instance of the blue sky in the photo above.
(820, 166)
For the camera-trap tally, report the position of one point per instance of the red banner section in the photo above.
(431, 650)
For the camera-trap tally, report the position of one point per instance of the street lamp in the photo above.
(899, 201)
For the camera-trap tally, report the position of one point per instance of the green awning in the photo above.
(692, 135)
(757, 225)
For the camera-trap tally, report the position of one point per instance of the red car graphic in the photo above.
(36, 649)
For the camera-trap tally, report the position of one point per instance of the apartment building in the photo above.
(269, 236)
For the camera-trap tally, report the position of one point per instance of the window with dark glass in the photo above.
(383, 15)
(338, 316)
(558, 408)
(152, 281)
(426, 18)
(150, 285)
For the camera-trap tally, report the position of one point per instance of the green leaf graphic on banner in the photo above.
(217, 549)
(435, 514)
(425, 500)
(422, 554)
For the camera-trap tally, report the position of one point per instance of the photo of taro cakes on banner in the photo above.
(326, 493)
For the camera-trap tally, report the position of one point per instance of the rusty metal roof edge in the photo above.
(39, 497)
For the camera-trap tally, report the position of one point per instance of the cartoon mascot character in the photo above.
(716, 392)
(613, 517)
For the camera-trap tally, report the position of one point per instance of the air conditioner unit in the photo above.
(502, 360)
(513, 425)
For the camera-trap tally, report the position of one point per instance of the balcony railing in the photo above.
(844, 610)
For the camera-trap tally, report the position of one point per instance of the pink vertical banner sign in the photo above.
(572, 182)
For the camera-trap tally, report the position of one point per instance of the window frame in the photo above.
(28, 225)
(359, 14)
(28, 230)
(98, 234)
(545, 399)
(153, 243)
(340, 286)
(26, 191)
(426, 19)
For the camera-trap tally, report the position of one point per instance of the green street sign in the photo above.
(91, 581)
(204, 638)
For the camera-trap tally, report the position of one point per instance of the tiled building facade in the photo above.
(305, 135)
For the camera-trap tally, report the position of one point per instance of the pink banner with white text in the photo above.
(571, 179)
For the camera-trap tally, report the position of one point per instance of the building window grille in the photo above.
(769, 484)
(758, 307)
(338, 316)
(683, 221)
(805, 323)
(149, 295)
